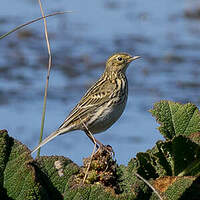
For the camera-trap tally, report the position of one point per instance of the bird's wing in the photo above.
(95, 97)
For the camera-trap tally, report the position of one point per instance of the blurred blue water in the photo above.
(169, 69)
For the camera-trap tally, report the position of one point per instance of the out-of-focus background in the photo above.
(165, 33)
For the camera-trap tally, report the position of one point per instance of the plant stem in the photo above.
(47, 79)
(32, 21)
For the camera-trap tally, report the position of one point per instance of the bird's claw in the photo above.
(106, 148)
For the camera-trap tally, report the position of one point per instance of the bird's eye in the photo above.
(119, 58)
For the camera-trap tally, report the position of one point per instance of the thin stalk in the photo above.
(32, 21)
(47, 79)
(95, 145)
(154, 190)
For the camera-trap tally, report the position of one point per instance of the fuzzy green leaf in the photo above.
(176, 119)
(54, 173)
(18, 176)
(177, 157)
(175, 188)
(179, 188)
(4, 154)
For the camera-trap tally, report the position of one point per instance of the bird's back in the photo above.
(96, 109)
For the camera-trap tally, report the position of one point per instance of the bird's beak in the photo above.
(133, 58)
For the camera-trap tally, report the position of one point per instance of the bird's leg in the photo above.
(108, 148)
(93, 139)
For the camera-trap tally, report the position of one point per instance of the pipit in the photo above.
(103, 103)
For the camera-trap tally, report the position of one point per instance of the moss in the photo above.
(102, 170)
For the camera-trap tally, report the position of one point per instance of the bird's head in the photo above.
(119, 62)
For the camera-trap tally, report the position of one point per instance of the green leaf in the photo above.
(179, 188)
(176, 119)
(54, 173)
(174, 188)
(177, 157)
(18, 176)
(4, 154)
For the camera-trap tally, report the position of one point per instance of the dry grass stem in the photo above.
(93, 152)
(48, 74)
(95, 145)
(32, 21)
(154, 190)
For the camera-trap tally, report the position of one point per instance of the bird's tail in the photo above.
(49, 138)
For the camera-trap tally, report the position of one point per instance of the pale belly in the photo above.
(105, 118)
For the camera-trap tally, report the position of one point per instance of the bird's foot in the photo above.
(106, 148)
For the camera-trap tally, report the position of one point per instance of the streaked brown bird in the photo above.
(103, 103)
